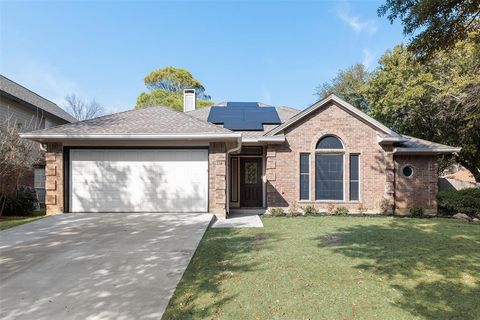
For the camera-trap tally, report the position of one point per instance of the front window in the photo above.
(304, 176)
(354, 177)
(329, 169)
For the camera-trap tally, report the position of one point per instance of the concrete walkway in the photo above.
(240, 220)
(96, 265)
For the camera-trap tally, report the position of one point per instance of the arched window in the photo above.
(329, 169)
(329, 142)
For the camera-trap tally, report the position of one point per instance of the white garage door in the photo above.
(138, 180)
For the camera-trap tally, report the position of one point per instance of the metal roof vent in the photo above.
(189, 100)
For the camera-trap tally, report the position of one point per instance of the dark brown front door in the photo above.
(251, 182)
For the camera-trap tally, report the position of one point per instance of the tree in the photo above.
(349, 85)
(435, 100)
(165, 98)
(16, 157)
(166, 88)
(434, 24)
(81, 109)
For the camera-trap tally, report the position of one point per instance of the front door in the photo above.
(251, 182)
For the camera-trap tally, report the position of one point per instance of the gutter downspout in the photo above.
(227, 178)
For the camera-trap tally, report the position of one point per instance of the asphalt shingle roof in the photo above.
(417, 143)
(14, 89)
(151, 120)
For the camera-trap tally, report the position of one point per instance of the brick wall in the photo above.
(54, 178)
(217, 183)
(283, 161)
(420, 189)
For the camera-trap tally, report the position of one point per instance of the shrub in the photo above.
(465, 201)
(361, 208)
(22, 203)
(310, 210)
(277, 212)
(384, 205)
(294, 210)
(330, 208)
(416, 212)
(340, 211)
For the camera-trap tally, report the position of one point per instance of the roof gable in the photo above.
(340, 103)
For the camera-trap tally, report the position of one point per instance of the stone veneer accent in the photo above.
(377, 164)
(217, 176)
(54, 178)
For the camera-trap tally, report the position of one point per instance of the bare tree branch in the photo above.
(81, 109)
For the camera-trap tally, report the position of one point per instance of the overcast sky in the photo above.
(275, 52)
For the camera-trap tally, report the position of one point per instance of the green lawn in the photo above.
(9, 222)
(334, 268)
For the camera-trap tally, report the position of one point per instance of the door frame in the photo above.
(238, 205)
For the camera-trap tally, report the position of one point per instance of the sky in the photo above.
(273, 52)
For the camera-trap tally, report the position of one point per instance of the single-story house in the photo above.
(237, 155)
(27, 111)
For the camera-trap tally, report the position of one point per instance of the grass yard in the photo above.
(9, 222)
(334, 268)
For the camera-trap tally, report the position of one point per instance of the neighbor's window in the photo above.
(354, 177)
(304, 176)
(407, 171)
(39, 184)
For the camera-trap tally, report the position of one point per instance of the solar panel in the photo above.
(243, 116)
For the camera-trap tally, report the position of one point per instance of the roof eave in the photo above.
(39, 137)
(391, 139)
(419, 151)
(265, 139)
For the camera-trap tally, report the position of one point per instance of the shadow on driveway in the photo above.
(96, 265)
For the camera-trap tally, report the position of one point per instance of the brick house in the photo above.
(237, 156)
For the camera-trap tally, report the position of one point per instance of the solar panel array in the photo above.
(239, 116)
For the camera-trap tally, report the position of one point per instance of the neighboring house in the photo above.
(158, 159)
(459, 179)
(28, 111)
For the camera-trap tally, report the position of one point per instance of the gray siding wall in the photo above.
(27, 117)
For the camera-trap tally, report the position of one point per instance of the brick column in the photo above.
(270, 172)
(54, 178)
(217, 159)
(389, 193)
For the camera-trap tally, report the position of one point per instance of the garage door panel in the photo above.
(139, 180)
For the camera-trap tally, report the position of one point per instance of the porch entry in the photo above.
(251, 182)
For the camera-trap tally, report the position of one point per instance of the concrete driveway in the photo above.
(96, 265)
